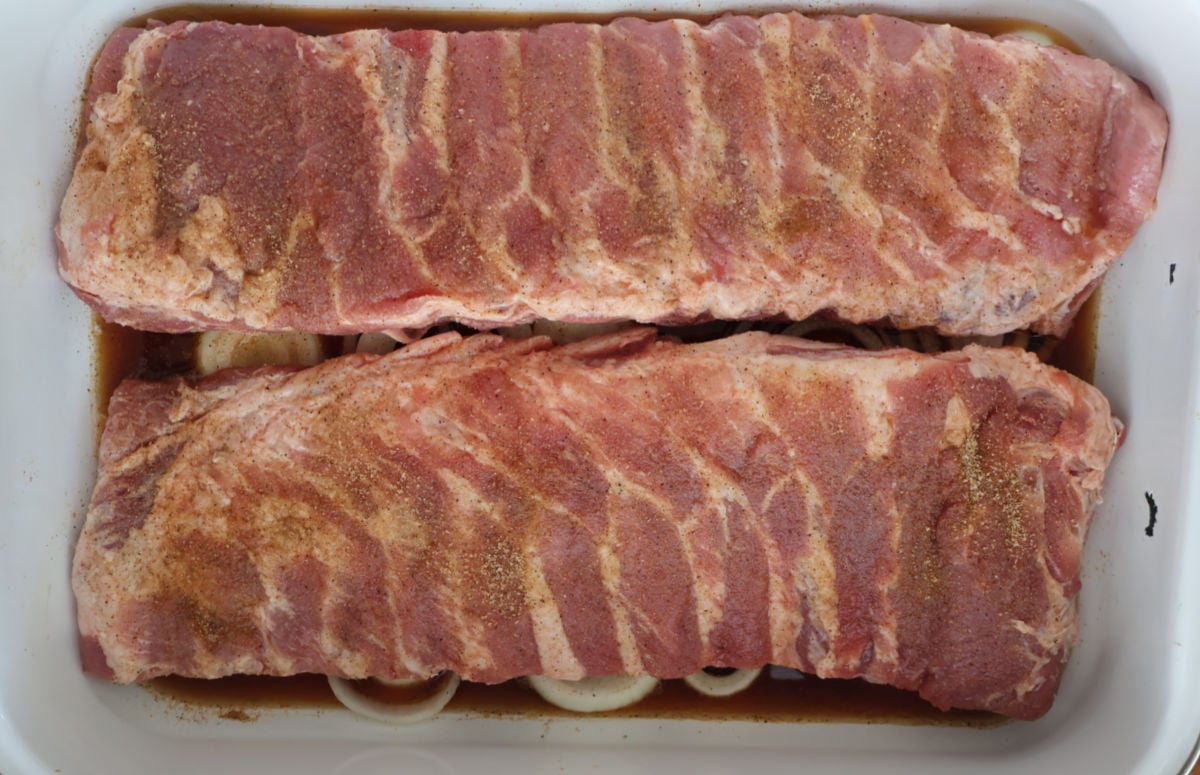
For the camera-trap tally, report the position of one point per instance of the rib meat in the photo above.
(624, 505)
(868, 168)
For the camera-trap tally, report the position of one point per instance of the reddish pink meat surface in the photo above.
(624, 505)
(867, 168)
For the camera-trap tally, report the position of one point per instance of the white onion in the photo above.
(376, 342)
(407, 713)
(862, 334)
(406, 335)
(566, 333)
(594, 694)
(711, 685)
(1037, 36)
(402, 683)
(216, 350)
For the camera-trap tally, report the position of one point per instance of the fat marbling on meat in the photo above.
(624, 505)
(869, 168)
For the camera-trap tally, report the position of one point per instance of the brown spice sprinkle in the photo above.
(991, 485)
(498, 573)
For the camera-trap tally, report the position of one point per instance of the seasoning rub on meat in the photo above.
(623, 505)
(871, 168)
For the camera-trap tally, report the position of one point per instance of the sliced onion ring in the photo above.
(409, 713)
(216, 350)
(403, 683)
(567, 333)
(376, 342)
(594, 694)
(864, 335)
(711, 685)
(1037, 36)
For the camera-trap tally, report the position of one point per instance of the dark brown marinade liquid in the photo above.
(779, 694)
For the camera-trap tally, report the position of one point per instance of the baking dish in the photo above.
(1126, 704)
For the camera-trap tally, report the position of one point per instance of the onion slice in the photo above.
(216, 350)
(594, 694)
(866, 337)
(408, 713)
(568, 333)
(712, 685)
(376, 342)
(1037, 36)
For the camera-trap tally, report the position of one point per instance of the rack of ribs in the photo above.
(869, 169)
(624, 505)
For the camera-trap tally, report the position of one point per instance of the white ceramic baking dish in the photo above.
(1129, 702)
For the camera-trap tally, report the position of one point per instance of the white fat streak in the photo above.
(934, 56)
(1001, 229)
(276, 442)
(610, 575)
(594, 265)
(707, 137)
(1038, 661)
(885, 639)
(277, 605)
(719, 490)
(611, 152)
(872, 398)
(551, 639)
(928, 248)
(814, 574)
(662, 168)
(688, 261)
(554, 647)
(784, 621)
(480, 508)
(1058, 628)
(957, 425)
(866, 81)
(869, 379)
(817, 577)
(123, 144)
(935, 53)
(854, 197)
(776, 32)
(610, 568)
(435, 102)
(496, 248)
(710, 591)
(609, 563)
(524, 190)
(392, 139)
(969, 215)
(586, 219)
(180, 477)
(333, 544)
